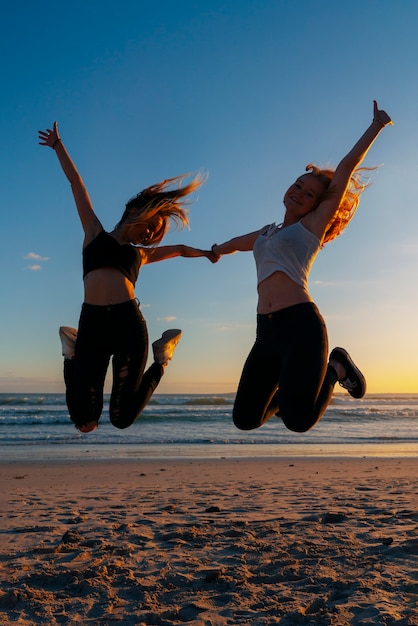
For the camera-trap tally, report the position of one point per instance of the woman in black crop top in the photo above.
(111, 323)
(288, 372)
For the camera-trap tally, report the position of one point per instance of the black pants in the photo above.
(286, 372)
(118, 331)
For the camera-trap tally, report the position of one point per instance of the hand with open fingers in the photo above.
(49, 137)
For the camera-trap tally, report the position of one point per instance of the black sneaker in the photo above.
(354, 383)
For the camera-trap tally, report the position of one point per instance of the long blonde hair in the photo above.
(350, 200)
(163, 200)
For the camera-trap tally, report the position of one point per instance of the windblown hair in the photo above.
(349, 202)
(165, 199)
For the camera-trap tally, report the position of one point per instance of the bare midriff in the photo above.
(107, 286)
(278, 291)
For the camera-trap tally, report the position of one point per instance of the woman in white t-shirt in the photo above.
(288, 372)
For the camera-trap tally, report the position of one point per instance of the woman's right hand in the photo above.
(49, 137)
(381, 116)
(89, 220)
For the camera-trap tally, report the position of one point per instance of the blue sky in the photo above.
(249, 92)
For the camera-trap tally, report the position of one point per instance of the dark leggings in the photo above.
(118, 331)
(286, 372)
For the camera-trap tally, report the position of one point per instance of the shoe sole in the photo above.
(164, 347)
(67, 332)
(166, 337)
(68, 337)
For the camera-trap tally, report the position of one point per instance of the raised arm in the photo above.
(318, 220)
(90, 222)
(161, 253)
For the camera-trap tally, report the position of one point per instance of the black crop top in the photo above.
(105, 251)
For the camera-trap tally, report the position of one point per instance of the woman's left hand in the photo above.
(380, 116)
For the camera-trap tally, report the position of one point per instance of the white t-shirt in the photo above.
(291, 250)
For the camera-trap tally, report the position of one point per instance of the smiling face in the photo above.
(303, 196)
(143, 233)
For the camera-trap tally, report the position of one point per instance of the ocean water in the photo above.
(37, 426)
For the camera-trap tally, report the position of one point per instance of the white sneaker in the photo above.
(68, 335)
(164, 348)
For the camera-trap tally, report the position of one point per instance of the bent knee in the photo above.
(298, 429)
(244, 424)
(121, 423)
(298, 425)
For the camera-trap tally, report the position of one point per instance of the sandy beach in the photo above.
(296, 540)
